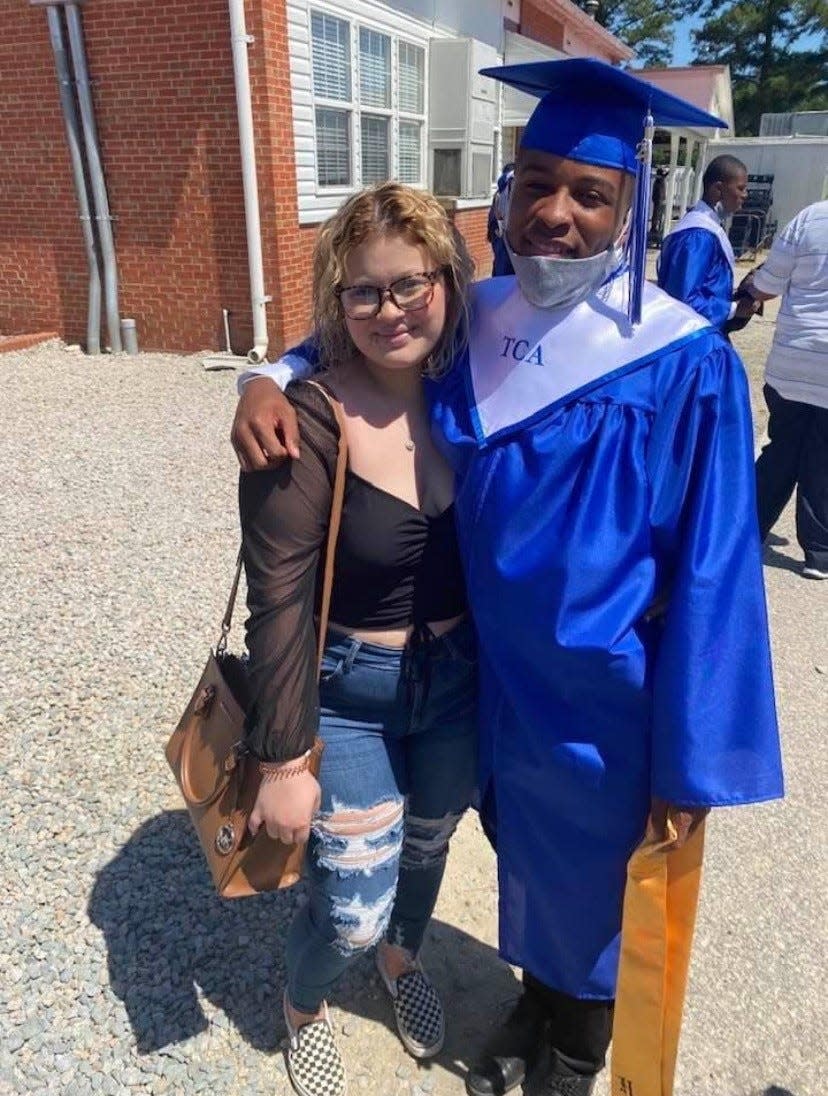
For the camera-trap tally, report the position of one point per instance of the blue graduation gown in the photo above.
(694, 266)
(502, 264)
(598, 468)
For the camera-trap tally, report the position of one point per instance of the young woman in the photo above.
(396, 702)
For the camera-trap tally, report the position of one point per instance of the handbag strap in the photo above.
(227, 619)
(337, 501)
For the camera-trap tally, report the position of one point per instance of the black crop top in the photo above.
(395, 567)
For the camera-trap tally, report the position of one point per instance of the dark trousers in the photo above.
(796, 457)
(578, 1029)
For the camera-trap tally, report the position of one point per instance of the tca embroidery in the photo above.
(519, 350)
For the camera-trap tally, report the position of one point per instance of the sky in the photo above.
(683, 45)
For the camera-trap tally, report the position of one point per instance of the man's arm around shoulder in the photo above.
(265, 430)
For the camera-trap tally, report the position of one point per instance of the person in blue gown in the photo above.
(601, 435)
(697, 264)
(501, 263)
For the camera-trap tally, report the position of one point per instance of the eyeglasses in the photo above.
(363, 302)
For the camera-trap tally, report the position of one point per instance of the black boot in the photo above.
(512, 1051)
(553, 1077)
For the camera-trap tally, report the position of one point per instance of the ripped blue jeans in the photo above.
(398, 771)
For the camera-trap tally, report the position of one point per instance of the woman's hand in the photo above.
(286, 807)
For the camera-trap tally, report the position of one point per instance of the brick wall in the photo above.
(165, 105)
(286, 245)
(39, 265)
(472, 223)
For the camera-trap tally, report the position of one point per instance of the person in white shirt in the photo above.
(796, 388)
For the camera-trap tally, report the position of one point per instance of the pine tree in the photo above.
(759, 39)
(645, 26)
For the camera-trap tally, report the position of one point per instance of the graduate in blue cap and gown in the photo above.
(697, 264)
(601, 435)
(501, 263)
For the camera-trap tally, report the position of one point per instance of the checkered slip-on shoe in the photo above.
(418, 1011)
(313, 1062)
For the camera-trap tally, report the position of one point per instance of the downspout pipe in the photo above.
(240, 40)
(73, 140)
(96, 175)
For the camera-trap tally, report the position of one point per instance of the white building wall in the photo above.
(480, 19)
(801, 123)
(416, 21)
(799, 166)
(517, 106)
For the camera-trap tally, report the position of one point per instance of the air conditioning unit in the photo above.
(463, 113)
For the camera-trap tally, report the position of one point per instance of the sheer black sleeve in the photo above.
(284, 520)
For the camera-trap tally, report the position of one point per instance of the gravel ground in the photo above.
(119, 969)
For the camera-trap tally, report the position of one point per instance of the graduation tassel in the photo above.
(638, 228)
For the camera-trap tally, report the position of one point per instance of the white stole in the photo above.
(704, 216)
(523, 359)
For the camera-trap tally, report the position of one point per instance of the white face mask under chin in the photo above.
(551, 281)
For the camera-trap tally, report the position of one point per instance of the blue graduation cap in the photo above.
(597, 114)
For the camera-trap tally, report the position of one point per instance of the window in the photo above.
(412, 78)
(481, 174)
(411, 143)
(331, 49)
(447, 171)
(333, 147)
(369, 99)
(374, 91)
(375, 159)
(374, 69)
(331, 57)
(411, 96)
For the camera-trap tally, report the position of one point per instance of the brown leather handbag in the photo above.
(206, 752)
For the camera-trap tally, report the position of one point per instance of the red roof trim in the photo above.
(585, 25)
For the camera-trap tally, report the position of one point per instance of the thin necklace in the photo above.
(410, 444)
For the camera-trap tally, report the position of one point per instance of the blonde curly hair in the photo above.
(386, 210)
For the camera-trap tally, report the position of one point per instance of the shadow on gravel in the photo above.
(171, 941)
(771, 558)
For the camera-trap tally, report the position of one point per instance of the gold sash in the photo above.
(656, 938)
